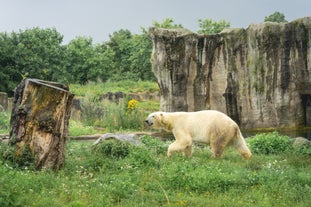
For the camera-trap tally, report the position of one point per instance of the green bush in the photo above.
(141, 157)
(92, 110)
(113, 149)
(24, 160)
(303, 150)
(118, 116)
(154, 145)
(113, 116)
(270, 143)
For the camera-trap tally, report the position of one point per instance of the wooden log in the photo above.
(39, 121)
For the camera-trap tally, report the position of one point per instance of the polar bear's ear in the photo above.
(163, 119)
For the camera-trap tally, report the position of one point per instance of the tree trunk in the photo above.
(39, 122)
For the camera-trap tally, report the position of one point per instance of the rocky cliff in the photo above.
(259, 76)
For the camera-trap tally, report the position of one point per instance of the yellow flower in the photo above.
(133, 104)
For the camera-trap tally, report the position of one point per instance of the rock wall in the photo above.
(259, 76)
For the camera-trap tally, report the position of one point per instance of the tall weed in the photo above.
(113, 116)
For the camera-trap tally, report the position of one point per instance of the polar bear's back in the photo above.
(201, 117)
(201, 124)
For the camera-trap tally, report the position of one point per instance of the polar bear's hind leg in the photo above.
(241, 146)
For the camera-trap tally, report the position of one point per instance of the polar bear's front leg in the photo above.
(178, 147)
(188, 151)
(183, 144)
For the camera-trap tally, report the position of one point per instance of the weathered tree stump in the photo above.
(39, 122)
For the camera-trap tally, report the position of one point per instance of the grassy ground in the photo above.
(98, 88)
(117, 174)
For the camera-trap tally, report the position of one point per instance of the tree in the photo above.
(35, 53)
(276, 17)
(8, 71)
(140, 57)
(121, 44)
(167, 23)
(86, 62)
(209, 26)
(40, 53)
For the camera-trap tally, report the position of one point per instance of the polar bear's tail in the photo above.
(241, 146)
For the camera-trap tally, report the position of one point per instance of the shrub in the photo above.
(123, 115)
(22, 160)
(303, 150)
(119, 116)
(141, 157)
(93, 109)
(270, 143)
(113, 149)
(154, 145)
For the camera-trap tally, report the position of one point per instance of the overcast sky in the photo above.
(99, 18)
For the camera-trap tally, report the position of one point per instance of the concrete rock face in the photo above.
(259, 76)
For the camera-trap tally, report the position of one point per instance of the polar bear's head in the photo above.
(156, 120)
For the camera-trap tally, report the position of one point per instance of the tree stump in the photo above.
(39, 122)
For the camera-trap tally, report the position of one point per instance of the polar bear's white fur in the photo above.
(209, 126)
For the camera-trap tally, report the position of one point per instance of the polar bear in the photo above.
(209, 126)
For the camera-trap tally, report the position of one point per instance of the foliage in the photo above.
(271, 143)
(144, 176)
(39, 53)
(140, 64)
(87, 62)
(35, 53)
(113, 149)
(4, 122)
(77, 128)
(113, 116)
(127, 86)
(132, 105)
(276, 17)
(23, 159)
(167, 23)
(92, 109)
(128, 114)
(119, 117)
(303, 150)
(209, 26)
(131, 56)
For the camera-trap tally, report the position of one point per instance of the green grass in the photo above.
(110, 116)
(77, 128)
(4, 122)
(114, 174)
(127, 86)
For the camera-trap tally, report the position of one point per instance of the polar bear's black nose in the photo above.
(147, 122)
